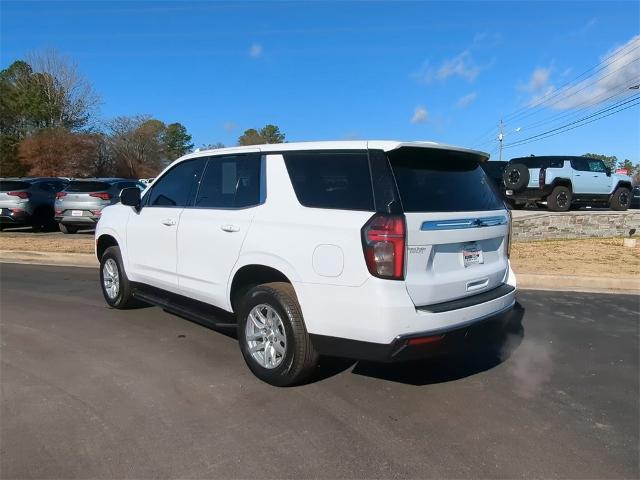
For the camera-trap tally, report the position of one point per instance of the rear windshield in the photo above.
(431, 180)
(337, 180)
(10, 185)
(84, 187)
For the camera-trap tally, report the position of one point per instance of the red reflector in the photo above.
(101, 195)
(97, 213)
(58, 212)
(17, 210)
(424, 340)
(60, 195)
(19, 194)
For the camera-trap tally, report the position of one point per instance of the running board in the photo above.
(193, 310)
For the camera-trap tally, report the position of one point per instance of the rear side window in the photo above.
(431, 180)
(336, 180)
(230, 182)
(86, 187)
(177, 187)
(10, 185)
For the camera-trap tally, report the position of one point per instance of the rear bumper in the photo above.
(531, 194)
(15, 218)
(381, 312)
(88, 222)
(481, 331)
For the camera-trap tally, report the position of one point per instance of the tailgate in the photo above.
(457, 226)
(454, 255)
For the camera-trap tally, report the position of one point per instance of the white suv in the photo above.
(375, 250)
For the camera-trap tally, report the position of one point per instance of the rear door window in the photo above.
(230, 182)
(336, 180)
(176, 188)
(431, 180)
(580, 164)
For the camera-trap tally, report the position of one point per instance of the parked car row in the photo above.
(560, 183)
(47, 203)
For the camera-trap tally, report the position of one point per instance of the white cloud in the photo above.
(420, 115)
(256, 50)
(619, 69)
(462, 65)
(230, 126)
(467, 100)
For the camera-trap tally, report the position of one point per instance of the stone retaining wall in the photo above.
(549, 225)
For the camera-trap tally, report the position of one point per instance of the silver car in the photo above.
(29, 202)
(80, 204)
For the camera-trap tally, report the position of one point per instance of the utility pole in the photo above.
(500, 138)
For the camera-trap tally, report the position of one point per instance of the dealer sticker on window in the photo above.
(472, 254)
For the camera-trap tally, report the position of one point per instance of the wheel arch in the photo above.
(252, 273)
(103, 242)
(622, 184)
(562, 182)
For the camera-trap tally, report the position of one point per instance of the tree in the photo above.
(610, 162)
(267, 134)
(212, 146)
(70, 96)
(177, 141)
(250, 137)
(46, 93)
(58, 152)
(627, 165)
(136, 145)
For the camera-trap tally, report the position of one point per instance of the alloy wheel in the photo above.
(111, 278)
(266, 336)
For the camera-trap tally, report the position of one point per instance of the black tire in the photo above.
(515, 176)
(66, 229)
(300, 358)
(123, 299)
(621, 199)
(559, 200)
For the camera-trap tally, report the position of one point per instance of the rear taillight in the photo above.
(101, 195)
(542, 177)
(19, 194)
(59, 195)
(384, 243)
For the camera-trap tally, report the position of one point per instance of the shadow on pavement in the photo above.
(486, 354)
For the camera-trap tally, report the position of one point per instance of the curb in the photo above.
(577, 283)
(526, 281)
(49, 258)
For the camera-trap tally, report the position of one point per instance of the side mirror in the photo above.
(608, 170)
(130, 196)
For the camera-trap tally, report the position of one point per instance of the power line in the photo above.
(573, 113)
(523, 142)
(574, 92)
(550, 95)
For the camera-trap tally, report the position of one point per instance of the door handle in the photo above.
(169, 222)
(230, 228)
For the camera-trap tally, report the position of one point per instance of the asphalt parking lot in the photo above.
(92, 392)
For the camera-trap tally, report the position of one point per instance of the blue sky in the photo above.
(443, 71)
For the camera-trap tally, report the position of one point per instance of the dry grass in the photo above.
(592, 256)
(23, 241)
(603, 257)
